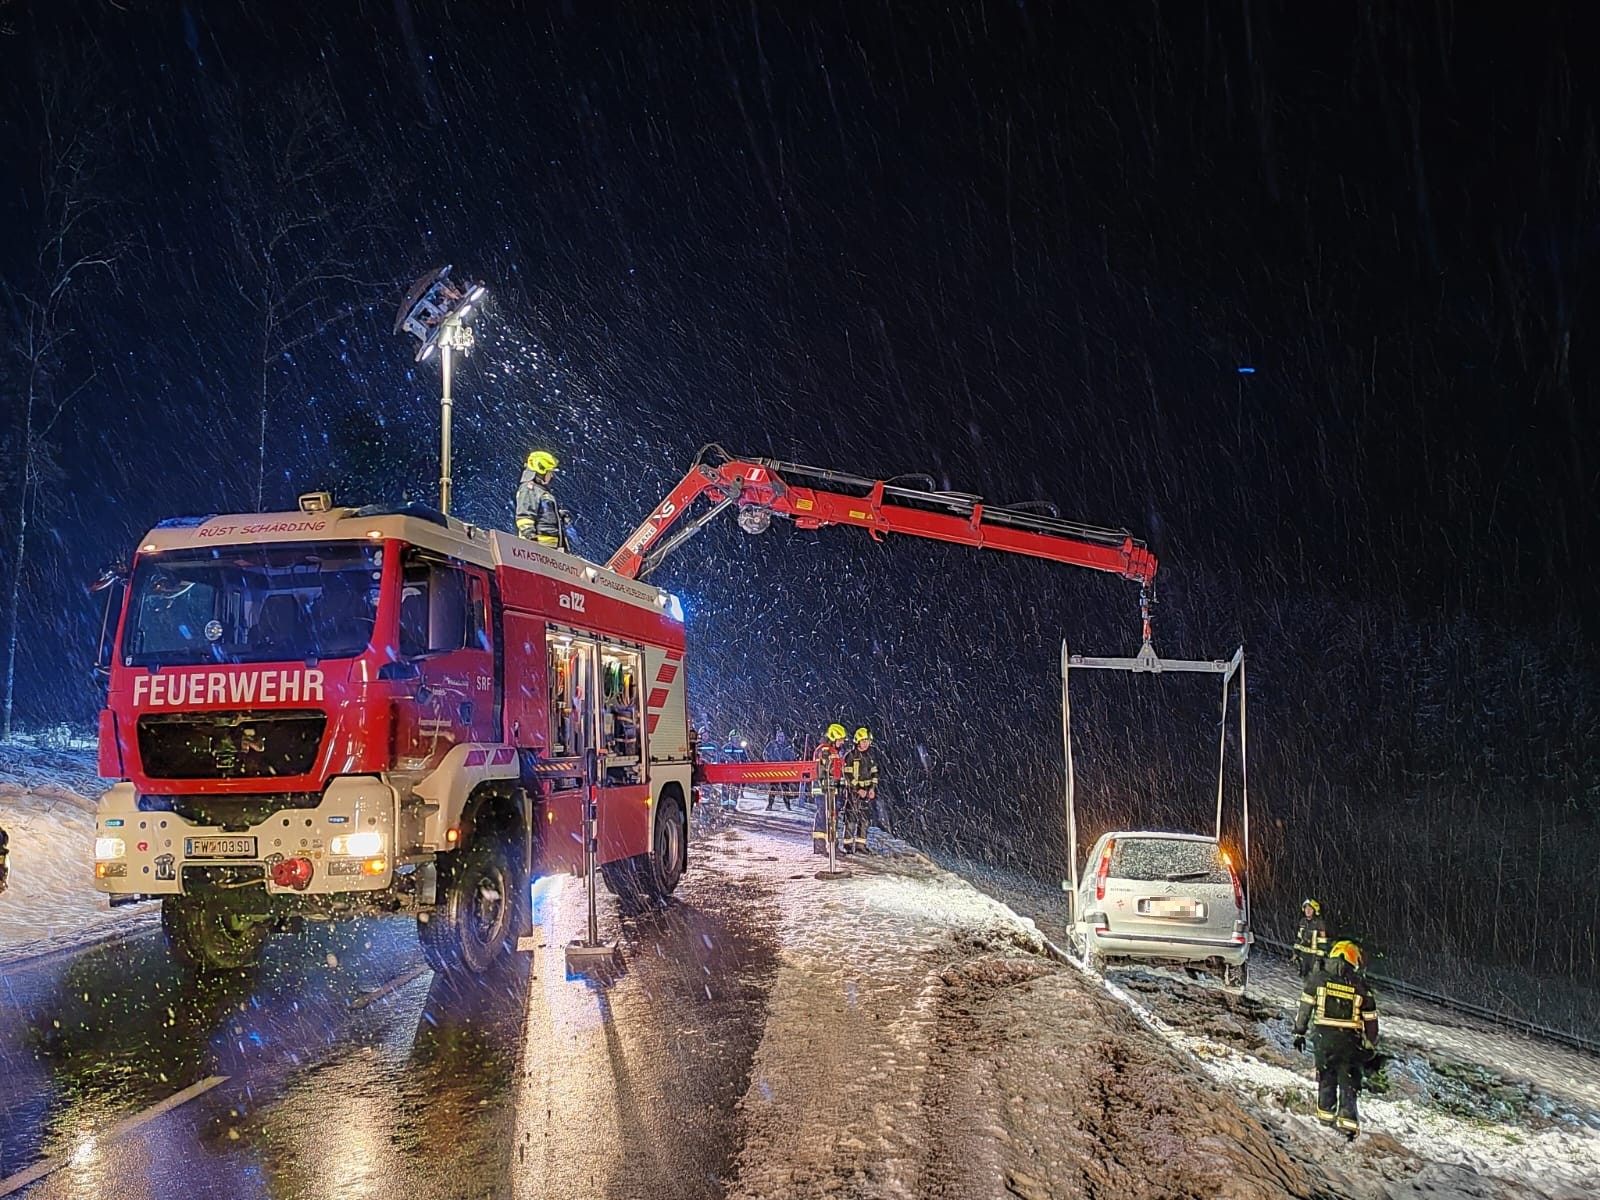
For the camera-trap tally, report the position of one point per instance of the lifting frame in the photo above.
(1146, 662)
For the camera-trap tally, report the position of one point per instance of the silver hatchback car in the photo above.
(1162, 897)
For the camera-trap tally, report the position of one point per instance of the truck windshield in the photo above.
(242, 604)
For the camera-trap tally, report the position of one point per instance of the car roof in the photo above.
(1171, 837)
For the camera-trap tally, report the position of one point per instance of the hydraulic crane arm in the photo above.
(812, 497)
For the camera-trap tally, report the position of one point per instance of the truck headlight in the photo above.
(355, 844)
(110, 847)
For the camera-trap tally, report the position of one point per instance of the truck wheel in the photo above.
(208, 937)
(476, 919)
(654, 876)
(663, 866)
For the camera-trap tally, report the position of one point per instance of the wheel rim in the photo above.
(669, 844)
(486, 907)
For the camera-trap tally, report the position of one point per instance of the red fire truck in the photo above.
(342, 711)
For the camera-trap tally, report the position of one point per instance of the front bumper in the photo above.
(158, 847)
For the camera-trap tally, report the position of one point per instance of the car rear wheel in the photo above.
(1075, 946)
(1235, 977)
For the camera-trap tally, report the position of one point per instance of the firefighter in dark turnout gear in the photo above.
(735, 750)
(779, 750)
(1311, 941)
(827, 759)
(1341, 1013)
(538, 514)
(861, 789)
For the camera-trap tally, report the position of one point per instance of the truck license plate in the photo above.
(219, 847)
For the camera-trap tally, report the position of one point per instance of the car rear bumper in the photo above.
(1154, 946)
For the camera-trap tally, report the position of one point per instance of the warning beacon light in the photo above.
(437, 305)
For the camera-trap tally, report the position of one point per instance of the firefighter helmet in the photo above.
(1316, 908)
(1349, 951)
(862, 735)
(835, 733)
(542, 462)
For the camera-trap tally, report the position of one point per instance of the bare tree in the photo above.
(73, 242)
(306, 206)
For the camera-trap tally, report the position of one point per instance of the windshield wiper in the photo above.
(1182, 875)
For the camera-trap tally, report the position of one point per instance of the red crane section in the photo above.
(812, 497)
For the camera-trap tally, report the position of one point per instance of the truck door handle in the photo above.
(466, 712)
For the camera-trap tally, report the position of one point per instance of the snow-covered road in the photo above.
(898, 1033)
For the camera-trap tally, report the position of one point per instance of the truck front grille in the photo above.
(233, 813)
(261, 745)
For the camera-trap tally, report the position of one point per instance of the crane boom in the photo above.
(812, 497)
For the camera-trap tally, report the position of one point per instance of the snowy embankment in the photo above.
(47, 800)
(919, 1042)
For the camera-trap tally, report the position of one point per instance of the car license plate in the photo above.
(219, 847)
(1162, 906)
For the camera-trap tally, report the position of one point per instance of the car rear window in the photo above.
(1163, 859)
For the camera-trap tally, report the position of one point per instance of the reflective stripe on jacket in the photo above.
(861, 769)
(1312, 938)
(1337, 997)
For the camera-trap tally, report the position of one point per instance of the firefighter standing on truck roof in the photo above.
(826, 756)
(1311, 941)
(1340, 1011)
(861, 789)
(538, 514)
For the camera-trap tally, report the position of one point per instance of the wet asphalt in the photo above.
(343, 1066)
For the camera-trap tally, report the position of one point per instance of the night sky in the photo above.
(1301, 295)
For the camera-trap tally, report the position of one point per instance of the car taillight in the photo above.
(1238, 889)
(1103, 870)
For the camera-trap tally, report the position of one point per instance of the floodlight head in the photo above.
(437, 307)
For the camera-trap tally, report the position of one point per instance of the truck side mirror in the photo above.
(112, 581)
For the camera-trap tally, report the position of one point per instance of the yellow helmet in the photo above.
(862, 735)
(835, 733)
(542, 462)
(1349, 951)
(1316, 908)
